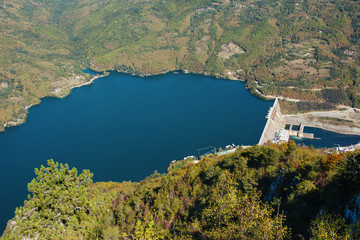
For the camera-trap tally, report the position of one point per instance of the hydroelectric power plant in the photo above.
(278, 129)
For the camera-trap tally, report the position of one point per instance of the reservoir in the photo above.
(124, 127)
(327, 138)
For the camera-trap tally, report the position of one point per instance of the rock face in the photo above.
(352, 210)
(273, 188)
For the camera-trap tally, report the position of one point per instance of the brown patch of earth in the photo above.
(228, 50)
(345, 120)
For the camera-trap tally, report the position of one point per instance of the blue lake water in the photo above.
(327, 138)
(123, 127)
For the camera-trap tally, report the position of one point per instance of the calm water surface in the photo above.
(327, 138)
(124, 127)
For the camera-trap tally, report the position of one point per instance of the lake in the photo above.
(124, 127)
(327, 138)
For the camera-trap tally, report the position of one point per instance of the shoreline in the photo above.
(62, 93)
(335, 129)
(54, 94)
(322, 120)
(89, 82)
(305, 117)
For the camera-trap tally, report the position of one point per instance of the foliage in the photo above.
(231, 215)
(243, 195)
(334, 95)
(289, 48)
(330, 227)
(58, 207)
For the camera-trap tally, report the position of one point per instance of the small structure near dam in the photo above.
(299, 133)
(278, 130)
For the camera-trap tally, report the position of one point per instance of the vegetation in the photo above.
(306, 50)
(261, 192)
(282, 47)
(305, 106)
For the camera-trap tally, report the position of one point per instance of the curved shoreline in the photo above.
(57, 93)
(61, 93)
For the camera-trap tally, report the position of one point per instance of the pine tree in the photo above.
(58, 207)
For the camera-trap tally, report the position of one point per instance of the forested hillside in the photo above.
(305, 49)
(262, 192)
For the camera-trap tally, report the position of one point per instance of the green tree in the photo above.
(232, 215)
(58, 206)
(144, 231)
(330, 227)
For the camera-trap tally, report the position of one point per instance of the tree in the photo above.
(330, 227)
(58, 207)
(231, 215)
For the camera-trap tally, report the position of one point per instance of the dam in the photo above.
(278, 130)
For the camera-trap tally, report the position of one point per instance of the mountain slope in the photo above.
(276, 192)
(306, 49)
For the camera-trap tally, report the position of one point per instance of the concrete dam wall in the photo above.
(274, 123)
(275, 131)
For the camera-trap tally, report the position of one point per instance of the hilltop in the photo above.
(297, 49)
(261, 192)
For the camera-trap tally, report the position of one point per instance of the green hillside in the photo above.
(306, 49)
(299, 49)
(261, 192)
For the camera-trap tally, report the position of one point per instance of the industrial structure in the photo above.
(278, 130)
